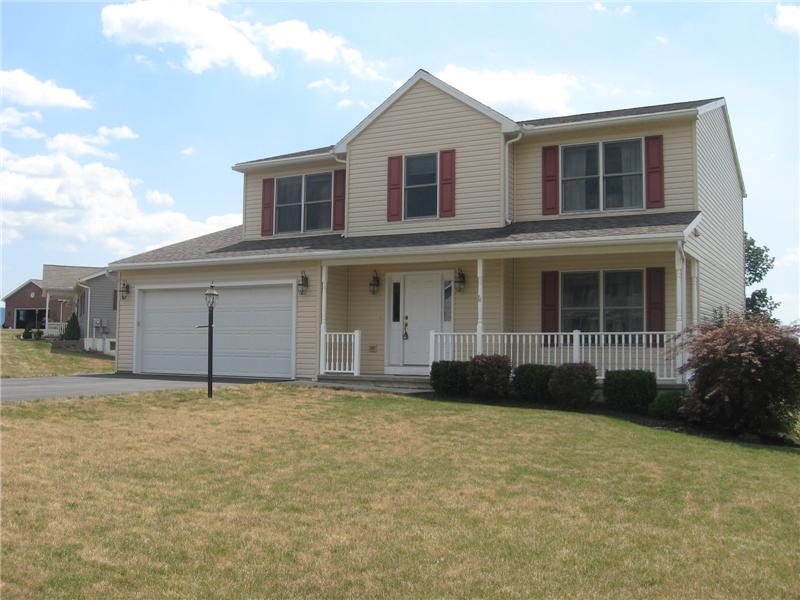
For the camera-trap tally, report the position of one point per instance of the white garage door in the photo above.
(252, 331)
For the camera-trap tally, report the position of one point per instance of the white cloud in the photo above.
(13, 122)
(340, 87)
(787, 17)
(662, 40)
(159, 198)
(20, 87)
(625, 10)
(599, 7)
(514, 90)
(207, 36)
(790, 258)
(346, 103)
(118, 133)
(74, 144)
(188, 151)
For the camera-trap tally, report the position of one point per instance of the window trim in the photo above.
(600, 175)
(438, 186)
(303, 230)
(601, 295)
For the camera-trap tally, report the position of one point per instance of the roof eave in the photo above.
(606, 121)
(294, 160)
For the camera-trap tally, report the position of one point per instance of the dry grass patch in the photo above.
(38, 358)
(290, 491)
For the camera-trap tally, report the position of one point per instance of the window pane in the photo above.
(288, 218)
(623, 191)
(580, 290)
(421, 202)
(583, 319)
(623, 319)
(623, 289)
(581, 194)
(396, 302)
(318, 216)
(289, 190)
(580, 161)
(622, 157)
(420, 169)
(318, 187)
(447, 315)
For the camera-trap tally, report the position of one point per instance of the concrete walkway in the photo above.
(37, 388)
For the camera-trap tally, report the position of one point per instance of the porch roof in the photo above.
(227, 245)
(62, 278)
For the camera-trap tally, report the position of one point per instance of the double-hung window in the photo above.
(602, 176)
(303, 203)
(609, 301)
(421, 186)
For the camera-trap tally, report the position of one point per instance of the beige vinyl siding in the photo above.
(508, 294)
(426, 120)
(528, 279)
(720, 246)
(679, 166)
(253, 187)
(308, 307)
(338, 298)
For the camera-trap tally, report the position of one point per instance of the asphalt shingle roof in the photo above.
(64, 277)
(229, 244)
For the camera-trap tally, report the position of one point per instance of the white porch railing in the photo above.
(341, 352)
(649, 350)
(54, 328)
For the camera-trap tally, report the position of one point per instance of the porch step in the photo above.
(407, 383)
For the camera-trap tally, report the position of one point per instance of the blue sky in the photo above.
(121, 122)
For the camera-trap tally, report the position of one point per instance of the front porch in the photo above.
(614, 309)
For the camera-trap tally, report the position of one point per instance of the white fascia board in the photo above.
(693, 225)
(410, 252)
(18, 288)
(506, 125)
(94, 275)
(625, 120)
(278, 162)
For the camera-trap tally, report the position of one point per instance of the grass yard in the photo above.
(38, 358)
(288, 491)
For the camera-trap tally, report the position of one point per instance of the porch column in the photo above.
(323, 328)
(479, 328)
(680, 306)
(47, 312)
(695, 291)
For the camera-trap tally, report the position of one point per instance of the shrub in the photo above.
(73, 329)
(573, 384)
(632, 390)
(489, 376)
(449, 377)
(666, 405)
(27, 334)
(744, 376)
(37, 335)
(530, 382)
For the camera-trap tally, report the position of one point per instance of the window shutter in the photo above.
(549, 301)
(655, 299)
(339, 184)
(114, 301)
(267, 206)
(654, 171)
(447, 183)
(550, 180)
(394, 200)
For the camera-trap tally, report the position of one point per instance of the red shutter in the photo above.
(447, 183)
(114, 301)
(394, 200)
(655, 299)
(339, 181)
(550, 301)
(550, 180)
(267, 206)
(654, 171)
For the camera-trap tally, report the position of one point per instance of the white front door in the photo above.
(418, 303)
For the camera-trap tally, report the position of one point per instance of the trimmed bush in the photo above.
(573, 384)
(27, 333)
(530, 382)
(73, 329)
(745, 376)
(449, 377)
(630, 390)
(489, 376)
(666, 405)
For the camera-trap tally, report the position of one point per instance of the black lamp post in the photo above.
(211, 300)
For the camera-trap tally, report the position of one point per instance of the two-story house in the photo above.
(438, 228)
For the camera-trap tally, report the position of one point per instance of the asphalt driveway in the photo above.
(37, 388)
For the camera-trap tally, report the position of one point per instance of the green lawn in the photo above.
(38, 358)
(289, 491)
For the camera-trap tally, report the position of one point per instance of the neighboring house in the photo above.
(26, 306)
(96, 307)
(438, 228)
(59, 286)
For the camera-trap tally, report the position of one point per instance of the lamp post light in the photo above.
(211, 300)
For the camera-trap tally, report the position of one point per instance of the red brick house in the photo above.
(25, 306)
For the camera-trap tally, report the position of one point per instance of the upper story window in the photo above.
(303, 203)
(602, 301)
(619, 184)
(421, 186)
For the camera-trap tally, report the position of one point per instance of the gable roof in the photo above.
(302, 155)
(36, 282)
(63, 277)
(506, 125)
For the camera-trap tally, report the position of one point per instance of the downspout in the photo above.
(346, 207)
(88, 310)
(507, 199)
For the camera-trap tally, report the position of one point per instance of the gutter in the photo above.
(88, 309)
(249, 166)
(611, 121)
(507, 205)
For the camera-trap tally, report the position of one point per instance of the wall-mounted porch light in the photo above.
(124, 290)
(374, 283)
(460, 281)
(302, 283)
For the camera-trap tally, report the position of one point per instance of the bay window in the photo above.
(421, 186)
(608, 301)
(303, 203)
